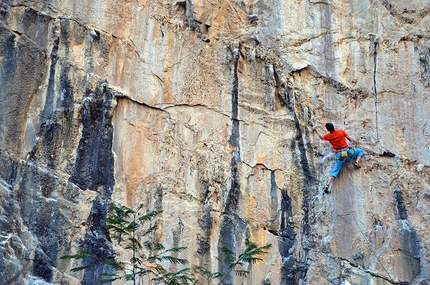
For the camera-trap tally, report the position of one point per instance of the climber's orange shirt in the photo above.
(337, 139)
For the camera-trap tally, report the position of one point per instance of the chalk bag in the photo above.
(344, 154)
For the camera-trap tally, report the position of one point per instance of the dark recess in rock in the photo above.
(97, 241)
(94, 159)
(286, 239)
(401, 207)
(205, 224)
(387, 154)
(42, 266)
(94, 170)
(231, 224)
(295, 270)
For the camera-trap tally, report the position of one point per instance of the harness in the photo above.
(344, 152)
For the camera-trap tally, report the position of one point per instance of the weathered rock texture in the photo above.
(204, 109)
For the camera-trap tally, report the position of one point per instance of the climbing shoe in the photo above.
(326, 190)
(357, 165)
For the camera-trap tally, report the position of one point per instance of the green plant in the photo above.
(249, 255)
(209, 275)
(134, 230)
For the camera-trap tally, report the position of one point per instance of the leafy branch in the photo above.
(249, 255)
(134, 231)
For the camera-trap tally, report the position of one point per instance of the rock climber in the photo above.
(343, 152)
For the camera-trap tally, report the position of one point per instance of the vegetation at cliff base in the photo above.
(135, 231)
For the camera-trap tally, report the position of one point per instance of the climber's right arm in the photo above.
(316, 129)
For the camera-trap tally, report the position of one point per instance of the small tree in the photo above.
(134, 230)
(249, 255)
(207, 274)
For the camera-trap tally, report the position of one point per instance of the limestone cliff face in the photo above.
(204, 109)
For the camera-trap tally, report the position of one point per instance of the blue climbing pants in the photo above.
(352, 153)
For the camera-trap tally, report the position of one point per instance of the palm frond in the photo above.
(182, 271)
(135, 260)
(109, 277)
(217, 275)
(108, 280)
(251, 250)
(238, 262)
(140, 207)
(259, 250)
(154, 258)
(174, 260)
(115, 265)
(160, 269)
(135, 242)
(143, 271)
(229, 255)
(179, 277)
(202, 271)
(148, 245)
(148, 216)
(205, 272)
(80, 255)
(226, 250)
(129, 277)
(176, 249)
(80, 268)
(158, 246)
(251, 259)
(149, 230)
(132, 226)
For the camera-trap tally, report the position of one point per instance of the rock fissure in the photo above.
(121, 96)
(230, 218)
(136, 50)
(259, 164)
(166, 107)
(295, 271)
(366, 270)
(375, 90)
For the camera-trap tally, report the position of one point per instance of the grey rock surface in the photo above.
(204, 109)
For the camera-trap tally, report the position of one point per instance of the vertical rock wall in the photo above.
(203, 109)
